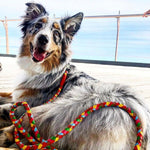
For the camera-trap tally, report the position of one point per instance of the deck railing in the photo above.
(5, 24)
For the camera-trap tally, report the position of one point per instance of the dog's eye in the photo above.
(56, 33)
(57, 36)
(38, 25)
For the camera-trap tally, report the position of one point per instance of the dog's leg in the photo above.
(5, 120)
(4, 115)
(7, 141)
(5, 105)
(7, 130)
(6, 136)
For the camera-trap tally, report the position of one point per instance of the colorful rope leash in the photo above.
(60, 88)
(48, 144)
(40, 143)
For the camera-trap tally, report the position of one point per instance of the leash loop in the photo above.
(45, 145)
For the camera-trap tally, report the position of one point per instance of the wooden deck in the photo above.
(136, 77)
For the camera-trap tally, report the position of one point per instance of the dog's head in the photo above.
(45, 41)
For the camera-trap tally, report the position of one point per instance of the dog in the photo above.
(45, 55)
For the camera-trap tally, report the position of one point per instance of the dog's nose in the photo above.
(43, 39)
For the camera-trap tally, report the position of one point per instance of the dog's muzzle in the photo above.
(38, 53)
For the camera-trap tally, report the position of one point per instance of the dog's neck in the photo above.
(44, 80)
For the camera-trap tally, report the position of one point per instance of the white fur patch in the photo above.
(26, 63)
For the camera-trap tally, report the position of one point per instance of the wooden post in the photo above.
(117, 37)
(54, 16)
(6, 33)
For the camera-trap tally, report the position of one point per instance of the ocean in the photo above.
(96, 39)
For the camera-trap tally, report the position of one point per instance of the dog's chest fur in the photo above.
(38, 89)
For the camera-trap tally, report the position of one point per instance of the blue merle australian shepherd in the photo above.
(44, 56)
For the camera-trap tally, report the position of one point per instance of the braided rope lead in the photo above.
(40, 143)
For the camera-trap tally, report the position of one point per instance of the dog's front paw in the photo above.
(4, 115)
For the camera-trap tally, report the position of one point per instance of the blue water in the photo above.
(97, 40)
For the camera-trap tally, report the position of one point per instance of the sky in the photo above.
(15, 8)
(96, 38)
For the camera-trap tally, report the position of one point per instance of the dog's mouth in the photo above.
(38, 54)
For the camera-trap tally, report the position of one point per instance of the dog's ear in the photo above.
(34, 10)
(71, 25)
